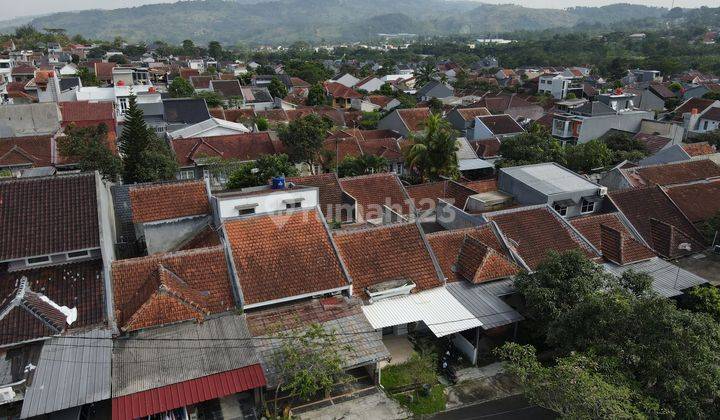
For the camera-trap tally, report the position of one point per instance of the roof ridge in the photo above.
(350, 231)
(207, 249)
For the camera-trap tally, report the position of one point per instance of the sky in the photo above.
(13, 8)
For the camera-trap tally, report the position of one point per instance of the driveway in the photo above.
(515, 407)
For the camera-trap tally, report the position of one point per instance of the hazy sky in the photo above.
(16, 8)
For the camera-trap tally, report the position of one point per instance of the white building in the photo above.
(265, 199)
(558, 86)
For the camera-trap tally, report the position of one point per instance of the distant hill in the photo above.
(274, 21)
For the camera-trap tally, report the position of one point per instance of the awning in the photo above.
(437, 308)
(158, 400)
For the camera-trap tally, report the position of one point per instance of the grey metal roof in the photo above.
(668, 279)
(483, 302)
(181, 352)
(358, 348)
(471, 164)
(72, 371)
(549, 178)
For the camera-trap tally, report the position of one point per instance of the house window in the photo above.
(295, 205)
(562, 210)
(242, 212)
(587, 206)
(123, 103)
(187, 174)
(38, 260)
(77, 254)
(705, 125)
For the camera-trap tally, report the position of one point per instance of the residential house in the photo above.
(654, 97)
(494, 126)
(179, 113)
(23, 73)
(559, 86)
(193, 154)
(568, 193)
(593, 119)
(699, 201)
(335, 204)
(661, 174)
(159, 222)
(459, 194)
(355, 143)
(369, 84)
(656, 219)
(257, 98)
(380, 198)
(104, 72)
(405, 121)
(463, 119)
(201, 83)
(265, 199)
(22, 120)
(346, 79)
(513, 105)
(210, 128)
(340, 95)
(435, 90)
(384, 103)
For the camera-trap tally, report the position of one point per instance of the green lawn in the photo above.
(418, 370)
(420, 404)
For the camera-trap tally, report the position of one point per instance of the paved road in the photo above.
(510, 408)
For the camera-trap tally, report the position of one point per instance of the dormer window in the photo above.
(587, 206)
(561, 209)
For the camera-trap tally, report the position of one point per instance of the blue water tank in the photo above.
(278, 183)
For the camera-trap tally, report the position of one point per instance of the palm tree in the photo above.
(432, 154)
(426, 73)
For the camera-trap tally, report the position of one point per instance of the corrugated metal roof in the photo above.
(159, 400)
(470, 164)
(437, 308)
(181, 352)
(72, 371)
(481, 301)
(668, 279)
(359, 345)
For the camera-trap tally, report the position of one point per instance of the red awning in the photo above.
(194, 391)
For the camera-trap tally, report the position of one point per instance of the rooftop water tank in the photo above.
(278, 183)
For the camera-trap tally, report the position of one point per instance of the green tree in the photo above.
(588, 156)
(180, 88)
(531, 148)
(252, 174)
(316, 95)
(433, 152)
(426, 73)
(386, 89)
(435, 105)
(705, 299)
(145, 157)
(262, 123)
(212, 99)
(277, 88)
(575, 387)
(87, 78)
(90, 146)
(370, 120)
(309, 362)
(215, 50)
(362, 165)
(304, 137)
(188, 47)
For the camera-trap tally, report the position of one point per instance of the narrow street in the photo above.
(515, 407)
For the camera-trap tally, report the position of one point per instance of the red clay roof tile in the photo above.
(373, 192)
(168, 200)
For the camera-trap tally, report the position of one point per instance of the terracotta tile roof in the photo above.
(615, 242)
(227, 88)
(478, 263)
(338, 90)
(34, 151)
(672, 173)
(501, 124)
(446, 246)
(386, 253)
(186, 73)
(414, 118)
(26, 316)
(265, 322)
(205, 238)
(641, 205)
(294, 114)
(690, 104)
(372, 192)
(274, 116)
(166, 288)
(535, 231)
(168, 200)
(486, 148)
(76, 285)
(380, 100)
(234, 115)
(699, 149)
(699, 202)
(354, 142)
(336, 115)
(80, 112)
(425, 195)
(23, 69)
(299, 83)
(330, 195)
(653, 143)
(712, 114)
(662, 91)
(281, 256)
(200, 82)
(41, 216)
(243, 147)
(469, 114)
(104, 71)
